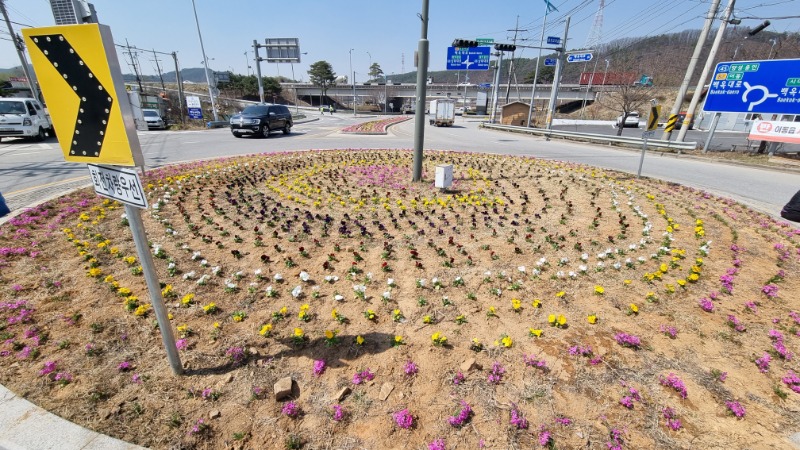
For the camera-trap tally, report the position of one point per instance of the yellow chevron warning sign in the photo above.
(673, 119)
(82, 84)
(652, 121)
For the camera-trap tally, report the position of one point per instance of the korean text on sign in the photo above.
(118, 184)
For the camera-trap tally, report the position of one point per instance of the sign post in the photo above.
(193, 107)
(78, 70)
(652, 124)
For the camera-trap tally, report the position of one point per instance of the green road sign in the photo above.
(485, 41)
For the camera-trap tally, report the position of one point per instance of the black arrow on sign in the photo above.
(95, 107)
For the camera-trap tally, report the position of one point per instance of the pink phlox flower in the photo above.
(338, 413)
(410, 369)
(319, 367)
(628, 340)
(438, 444)
(49, 367)
(517, 419)
(706, 304)
(290, 410)
(770, 290)
(792, 381)
(462, 417)
(674, 382)
(763, 362)
(672, 422)
(545, 438)
(403, 419)
(736, 409)
(181, 344)
(496, 373)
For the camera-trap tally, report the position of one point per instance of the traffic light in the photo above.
(759, 28)
(463, 43)
(505, 47)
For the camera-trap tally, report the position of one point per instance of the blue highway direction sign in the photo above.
(771, 86)
(485, 85)
(553, 40)
(476, 58)
(549, 62)
(579, 57)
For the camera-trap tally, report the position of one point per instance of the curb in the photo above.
(29, 427)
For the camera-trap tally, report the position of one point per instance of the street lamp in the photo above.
(353, 81)
(605, 73)
(369, 69)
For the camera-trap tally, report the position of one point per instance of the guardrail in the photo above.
(590, 137)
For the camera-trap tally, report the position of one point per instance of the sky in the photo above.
(372, 31)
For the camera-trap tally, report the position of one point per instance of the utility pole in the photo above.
(701, 40)
(422, 74)
(496, 90)
(258, 73)
(158, 69)
(557, 78)
(702, 81)
(511, 64)
(179, 80)
(538, 63)
(20, 46)
(205, 65)
(135, 68)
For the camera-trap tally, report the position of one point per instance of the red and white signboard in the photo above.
(772, 130)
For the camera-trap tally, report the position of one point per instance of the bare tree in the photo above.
(627, 99)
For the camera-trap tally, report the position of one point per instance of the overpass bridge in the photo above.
(403, 93)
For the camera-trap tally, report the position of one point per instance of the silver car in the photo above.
(154, 119)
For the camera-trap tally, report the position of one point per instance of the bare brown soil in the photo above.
(510, 229)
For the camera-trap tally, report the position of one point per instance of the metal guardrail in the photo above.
(591, 137)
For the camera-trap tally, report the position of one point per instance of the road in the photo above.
(25, 167)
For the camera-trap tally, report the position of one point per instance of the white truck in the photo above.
(24, 117)
(444, 112)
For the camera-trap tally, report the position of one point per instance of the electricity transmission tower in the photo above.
(596, 33)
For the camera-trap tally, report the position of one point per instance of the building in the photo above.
(69, 12)
(515, 113)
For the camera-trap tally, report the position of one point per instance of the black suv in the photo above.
(261, 119)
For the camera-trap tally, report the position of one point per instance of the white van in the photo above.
(24, 117)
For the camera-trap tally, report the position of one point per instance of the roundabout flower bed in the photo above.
(374, 126)
(536, 303)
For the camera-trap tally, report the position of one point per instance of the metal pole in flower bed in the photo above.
(422, 73)
(134, 216)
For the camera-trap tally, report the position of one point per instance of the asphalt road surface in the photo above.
(33, 171)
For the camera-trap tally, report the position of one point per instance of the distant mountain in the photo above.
(194, 74)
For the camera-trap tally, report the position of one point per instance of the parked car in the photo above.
(261, 119)
(154, 119)
(631, 121)
(681, 117)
